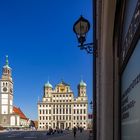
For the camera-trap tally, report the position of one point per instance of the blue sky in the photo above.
(38, 37)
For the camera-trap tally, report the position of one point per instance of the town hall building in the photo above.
(60, 109)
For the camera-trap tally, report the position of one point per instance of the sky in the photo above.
(38, 37)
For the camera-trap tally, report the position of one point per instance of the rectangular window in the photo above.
(53, 125)
(4, 109)
(53, 111)
(4, 101)
(69, 111)
(66, 111)
(84, 111)
(77, 111)
(49, 111)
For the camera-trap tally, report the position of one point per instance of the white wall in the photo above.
(12, 120)
(4, 109)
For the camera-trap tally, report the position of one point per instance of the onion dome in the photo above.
(48, 85)
(7, 63)
(82, 83)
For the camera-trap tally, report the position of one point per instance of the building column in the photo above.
(104, 69)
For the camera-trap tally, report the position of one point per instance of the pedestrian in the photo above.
(81, 129)
(74, 131)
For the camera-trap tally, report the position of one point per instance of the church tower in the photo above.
(82, 89)
(6, 94)
(47, 91)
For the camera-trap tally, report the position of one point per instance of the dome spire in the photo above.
(82, 83)
(7, 62)
(81, 78)
(48, 85)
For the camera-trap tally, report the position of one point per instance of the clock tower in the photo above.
(6, 95)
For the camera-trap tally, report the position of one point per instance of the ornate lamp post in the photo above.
(81, 28)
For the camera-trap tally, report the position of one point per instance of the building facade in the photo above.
(59, 108)
(24, 122)
(117, 41)
(9, 116)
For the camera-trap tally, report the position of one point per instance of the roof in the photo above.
(63, 83)
(19, 112)
(82, 83)
(48, 85)
(7, 63)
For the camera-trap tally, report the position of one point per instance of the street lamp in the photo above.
(80, 28)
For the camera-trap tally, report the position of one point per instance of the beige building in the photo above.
(59, 108)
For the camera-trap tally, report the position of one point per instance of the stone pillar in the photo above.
(104, 69)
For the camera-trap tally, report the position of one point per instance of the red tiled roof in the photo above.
(19, 112)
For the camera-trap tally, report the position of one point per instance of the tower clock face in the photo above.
(4, 89)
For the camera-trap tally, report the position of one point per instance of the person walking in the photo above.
(74, 131)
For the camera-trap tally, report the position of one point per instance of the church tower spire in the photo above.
(7, 62)
(6, 74)
(6, 94)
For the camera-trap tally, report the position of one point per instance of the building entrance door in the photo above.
(61, 125)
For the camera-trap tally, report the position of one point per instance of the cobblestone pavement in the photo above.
(41, 135)
(79, 136)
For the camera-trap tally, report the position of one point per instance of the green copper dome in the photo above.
(7, 63)
(48, 85)
(82, 83)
